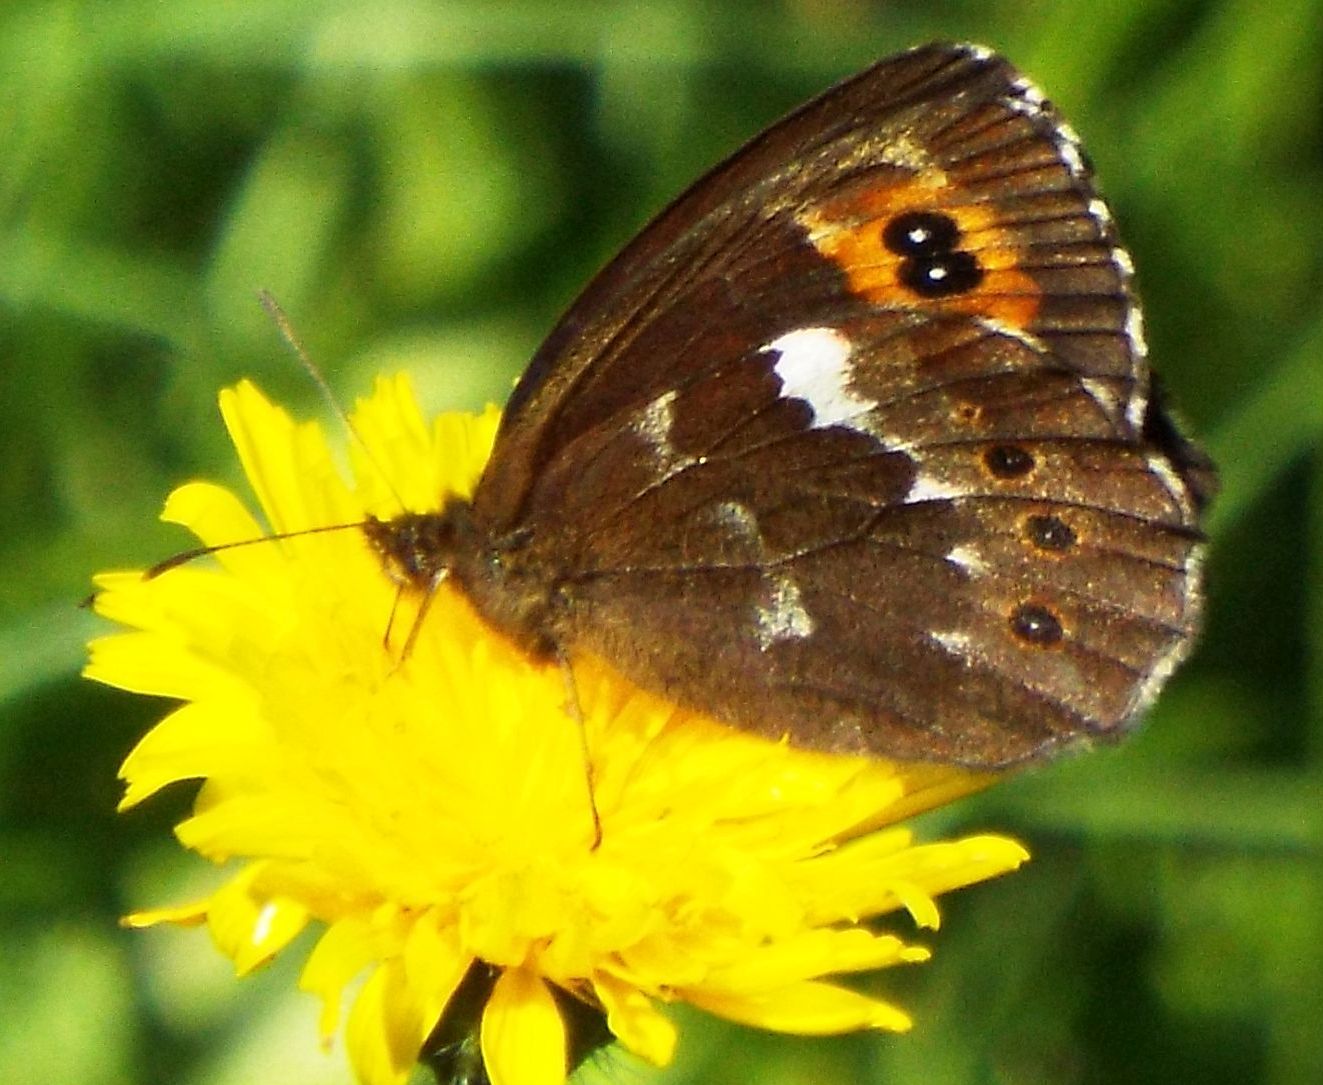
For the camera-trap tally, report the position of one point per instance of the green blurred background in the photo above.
(425, 185)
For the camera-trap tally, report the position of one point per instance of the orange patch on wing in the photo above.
(848, 231)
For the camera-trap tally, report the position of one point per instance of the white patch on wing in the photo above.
(739, 519)
(1135, 411)
(1146, 691)
(814, 366)
(1103, 395)
(779, 613)
(1069, 146)
(784, 617)
(1023, 88)
(902, 150)
(927, 488)
(1176, 487)
(966, 558)
(1027, 99)
(1134, 329)
(952, 641)
(1000, 327)
(654, 426)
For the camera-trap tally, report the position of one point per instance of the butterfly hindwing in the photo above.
(905, 594)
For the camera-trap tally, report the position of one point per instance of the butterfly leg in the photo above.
(428, 595)
(390, 621)
(574, 708)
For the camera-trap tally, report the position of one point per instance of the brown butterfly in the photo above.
(855, 443)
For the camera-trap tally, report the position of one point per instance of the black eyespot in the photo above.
(1008, 461)
(1036, 625)
(921, 233)
(1050, 533)
(941, 274)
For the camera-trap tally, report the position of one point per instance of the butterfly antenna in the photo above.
(185, 556)
(286, 329)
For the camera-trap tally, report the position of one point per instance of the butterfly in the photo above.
(855, 444)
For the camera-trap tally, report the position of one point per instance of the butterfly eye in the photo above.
(1036, 625)
(1050, 533)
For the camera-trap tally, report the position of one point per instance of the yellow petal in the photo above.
(194, 741)
(368, 1034)
(347, 947)
(146, 663)
(523, 1036)
(632, 1017)
(274, 824)
(431, 968)
(881, 872)
(810, 954)
(265, 438)
(215, 515)
(248, 928)
(811, 1008)
(193, 914)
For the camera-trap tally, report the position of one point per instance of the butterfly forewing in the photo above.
(676, 268)
(853, 443)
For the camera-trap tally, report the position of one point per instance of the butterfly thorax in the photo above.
(500, 577)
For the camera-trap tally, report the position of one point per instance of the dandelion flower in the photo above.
(431, 815)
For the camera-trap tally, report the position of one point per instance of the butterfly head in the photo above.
(418, 549)
(501, 577)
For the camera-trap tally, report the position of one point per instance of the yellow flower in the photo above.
(431, 814)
